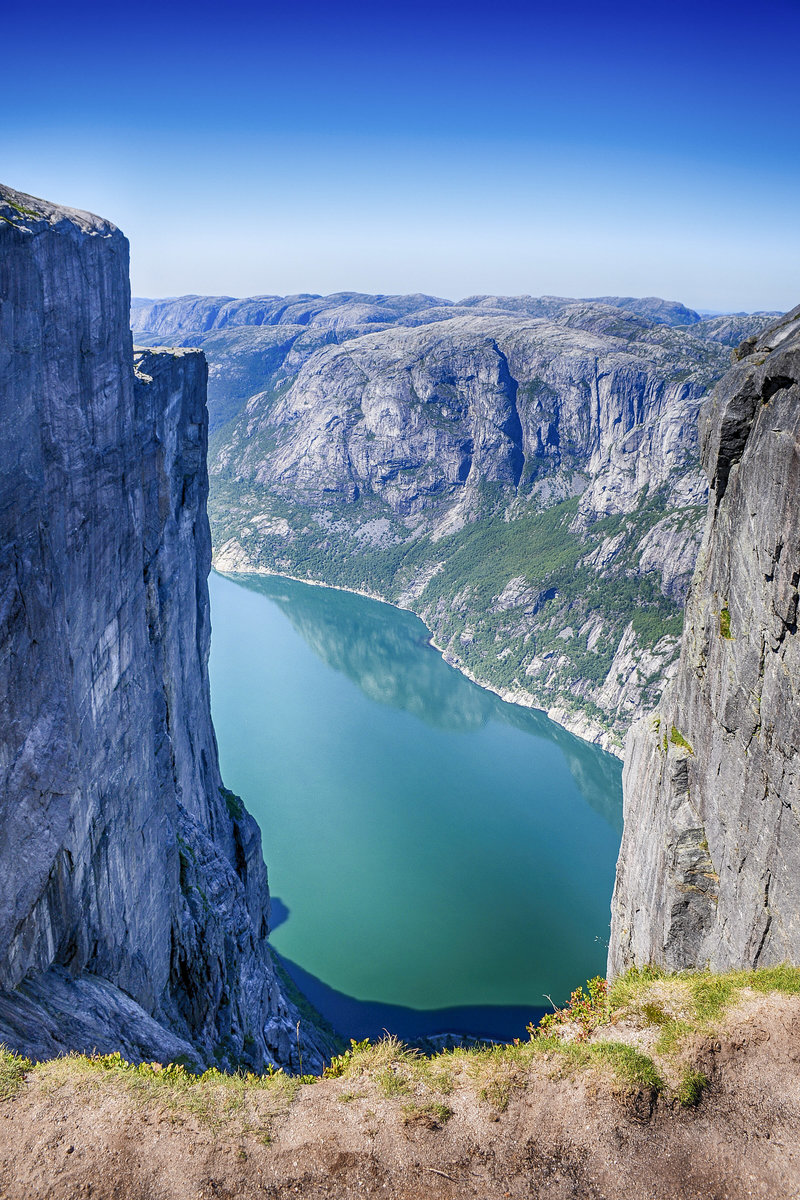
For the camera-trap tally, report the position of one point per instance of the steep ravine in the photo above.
(134, 909)
(709, 869)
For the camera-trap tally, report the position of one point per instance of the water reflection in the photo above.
(387, 653)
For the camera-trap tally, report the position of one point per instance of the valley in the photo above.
(520, 472)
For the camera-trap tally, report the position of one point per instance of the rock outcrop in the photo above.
(709, 869)
(134, 908)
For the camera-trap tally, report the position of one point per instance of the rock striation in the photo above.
(134, 911)
(709, 869)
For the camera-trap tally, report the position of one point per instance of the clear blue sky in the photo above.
(579, 149)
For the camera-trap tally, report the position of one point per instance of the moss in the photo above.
(23, 212)
(725, 624)
(233, 803)
(677, 739)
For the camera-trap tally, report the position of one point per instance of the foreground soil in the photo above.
(512, 1129)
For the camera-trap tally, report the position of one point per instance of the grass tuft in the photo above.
(692, 1085)
(13, 1069)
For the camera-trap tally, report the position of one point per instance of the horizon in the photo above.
(524, 152)
(455, 301)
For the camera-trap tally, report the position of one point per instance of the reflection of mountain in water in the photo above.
(383, 650)
(386, 652)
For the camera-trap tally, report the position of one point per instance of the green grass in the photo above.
(692, 1085)
(13, 1069)
(725, 624)
(680, 1005)
(474, 566)
(432, 1114)
(701, 998)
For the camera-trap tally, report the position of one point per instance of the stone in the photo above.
(135, 908)
(709, 868)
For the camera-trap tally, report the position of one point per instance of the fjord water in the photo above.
(442, 860)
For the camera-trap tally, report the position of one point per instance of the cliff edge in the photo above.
(709, 868)
(134, 909)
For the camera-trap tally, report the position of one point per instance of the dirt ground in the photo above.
(561, 1135)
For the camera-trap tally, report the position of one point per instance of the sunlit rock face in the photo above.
(134, 907)
(709, 870)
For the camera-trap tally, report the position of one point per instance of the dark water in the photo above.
(443, 860)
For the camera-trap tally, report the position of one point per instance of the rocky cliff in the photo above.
(521, 471)
(134, 909)
(709, 869)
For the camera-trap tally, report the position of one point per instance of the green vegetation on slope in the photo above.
(678, 1006)
(558, 640)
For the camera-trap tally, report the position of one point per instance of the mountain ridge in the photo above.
(492, 417)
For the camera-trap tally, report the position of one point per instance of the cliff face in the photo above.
(134, 907)
(527, 485)
(709, 869)
(521, 471)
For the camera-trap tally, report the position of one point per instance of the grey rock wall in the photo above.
(709, 869)
(134, 906)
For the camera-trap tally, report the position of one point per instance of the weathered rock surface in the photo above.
(709, 869)
(134, 908)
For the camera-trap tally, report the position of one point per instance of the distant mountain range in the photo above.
(521, 471)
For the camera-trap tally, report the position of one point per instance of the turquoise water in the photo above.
(435, 847)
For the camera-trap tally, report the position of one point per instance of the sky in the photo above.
(504, 147)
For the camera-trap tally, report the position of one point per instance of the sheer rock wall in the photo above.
(134, 908)
(709, 869)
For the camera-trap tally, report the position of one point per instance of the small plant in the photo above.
(233, 803)
(392, 1083)
(654, 1014)
(340, 1062)
(725, 624)
(632, 1068)
(497, 1092)
(586, 1009)
(13, 1069)
(433, 1115)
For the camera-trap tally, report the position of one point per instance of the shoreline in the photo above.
(577, 726)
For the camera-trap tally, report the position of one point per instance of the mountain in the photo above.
(134, 911)
(521, 471)
(709, 869)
